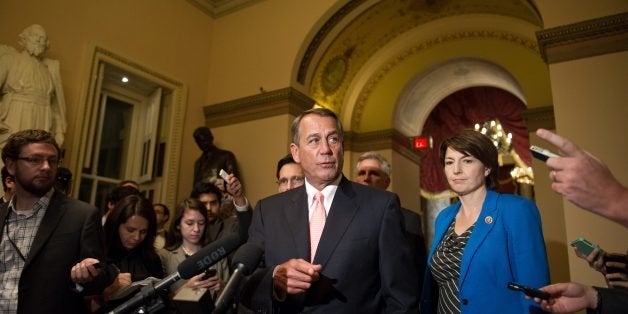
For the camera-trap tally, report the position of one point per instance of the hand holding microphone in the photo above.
(245, 260)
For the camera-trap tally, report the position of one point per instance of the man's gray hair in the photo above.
(385, 165)
(323, 112)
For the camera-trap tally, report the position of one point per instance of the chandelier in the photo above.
(503, 142)
(494, 131)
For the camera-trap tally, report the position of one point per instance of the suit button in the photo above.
(465, 301)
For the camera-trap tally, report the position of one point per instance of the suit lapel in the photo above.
(49, 223)
(298, 222)
(341, 213)
(484, 224)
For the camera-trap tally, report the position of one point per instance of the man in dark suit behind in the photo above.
(49, 242)
(374, 170)
(362, 263)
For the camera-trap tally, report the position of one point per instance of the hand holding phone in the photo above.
(531, 292)
(541, 153)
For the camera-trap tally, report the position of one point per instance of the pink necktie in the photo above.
(317, 223)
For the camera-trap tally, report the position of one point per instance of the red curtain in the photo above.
(462, 110)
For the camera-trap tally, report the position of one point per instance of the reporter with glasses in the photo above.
(49, 243)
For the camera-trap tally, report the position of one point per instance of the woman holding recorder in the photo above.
(186, 237)
(484, 241)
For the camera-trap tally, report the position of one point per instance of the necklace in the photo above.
(186, 251)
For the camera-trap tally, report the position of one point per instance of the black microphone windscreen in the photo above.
(208, 256)
(249, 255)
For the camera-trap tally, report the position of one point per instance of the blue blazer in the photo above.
(505, 245)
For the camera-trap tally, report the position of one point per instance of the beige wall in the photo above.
(590, 98)
(550, 206)
(252, 48)
(169, 37)
(595, 118)
(257, 47)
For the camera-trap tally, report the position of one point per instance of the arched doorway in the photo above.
(364, 57)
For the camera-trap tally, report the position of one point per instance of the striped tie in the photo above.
(317, 223)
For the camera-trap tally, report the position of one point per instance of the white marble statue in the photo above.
(30, 85)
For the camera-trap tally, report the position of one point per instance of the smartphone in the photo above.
(531, 292)
(585, 247)
(223, 174)
(541, 153)
(210, 272)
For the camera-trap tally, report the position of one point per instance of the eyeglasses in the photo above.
(294, 181)
(39, 161)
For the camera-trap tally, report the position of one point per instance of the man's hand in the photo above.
(595, 259)
(84, 271)
(295, 276)
(234, 188)
(568, 297)
(585, 180)
(616, 270)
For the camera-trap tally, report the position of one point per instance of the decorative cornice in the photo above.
(378, 140)
(584, 39)
(542, 117)
(267, 104)
(218, 8)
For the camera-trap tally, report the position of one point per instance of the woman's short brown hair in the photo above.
(478, 145)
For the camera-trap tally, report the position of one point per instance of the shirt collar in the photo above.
(42, 202)
(328, 191)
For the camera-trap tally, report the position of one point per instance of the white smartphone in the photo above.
(223, 174)
(541, 153)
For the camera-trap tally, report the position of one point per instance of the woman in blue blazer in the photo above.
(484, 241)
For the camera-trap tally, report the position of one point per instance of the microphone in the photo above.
(190, 267)
(208, 256)
(245, 260)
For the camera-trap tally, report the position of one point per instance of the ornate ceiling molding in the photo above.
(320, 37)
(218, 8)
(267, 104)
(364, 26)
(584, 39)
(516, 39)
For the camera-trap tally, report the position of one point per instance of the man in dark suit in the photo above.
(49, 242)
(374, 170)
(361, 264)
